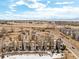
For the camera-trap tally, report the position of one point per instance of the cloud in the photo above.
(64, 2)
(47, 13)
(21, 2)
(34, 1)
(48, 2)
(41, 11)
(35, 4)
(64, 10)
(8, 12)
(13, 5)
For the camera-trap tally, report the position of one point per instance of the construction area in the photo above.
(18, 37)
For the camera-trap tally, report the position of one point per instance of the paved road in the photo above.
(27, 52)
(71, 48)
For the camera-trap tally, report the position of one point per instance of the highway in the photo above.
(71, 47)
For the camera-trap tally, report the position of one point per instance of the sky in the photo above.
(39, 9)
